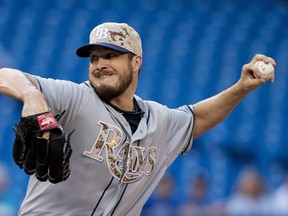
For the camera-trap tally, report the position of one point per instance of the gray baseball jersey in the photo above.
(113, 172)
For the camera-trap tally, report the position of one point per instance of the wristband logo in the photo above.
(47, 121)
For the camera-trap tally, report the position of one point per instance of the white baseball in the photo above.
(266, 70)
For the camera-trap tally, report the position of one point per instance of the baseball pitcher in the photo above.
(95, 148)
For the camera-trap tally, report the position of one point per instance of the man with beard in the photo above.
(122, 145)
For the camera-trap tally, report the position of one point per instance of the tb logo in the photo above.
(101, 32)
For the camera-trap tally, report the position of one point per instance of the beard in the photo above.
(108, 92)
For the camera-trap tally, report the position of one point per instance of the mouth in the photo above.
(103, 74)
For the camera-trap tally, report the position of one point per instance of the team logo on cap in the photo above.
(101, 32)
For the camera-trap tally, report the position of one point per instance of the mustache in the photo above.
(103, 72)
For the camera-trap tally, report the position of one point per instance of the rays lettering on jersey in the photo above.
(126, 162)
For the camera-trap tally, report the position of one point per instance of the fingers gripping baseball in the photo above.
(257, 71)
(47, 158)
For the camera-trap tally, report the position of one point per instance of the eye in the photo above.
(94, 58)
(110, 55)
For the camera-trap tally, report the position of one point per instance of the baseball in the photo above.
(266, 70)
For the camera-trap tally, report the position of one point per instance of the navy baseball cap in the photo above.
(117, 36)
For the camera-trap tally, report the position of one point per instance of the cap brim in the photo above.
(84, 51)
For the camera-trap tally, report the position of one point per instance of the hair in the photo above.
(130, 55)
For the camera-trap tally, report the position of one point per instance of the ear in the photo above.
(137, 62)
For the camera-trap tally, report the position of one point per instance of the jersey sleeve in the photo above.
(62, 95)
(180, 129)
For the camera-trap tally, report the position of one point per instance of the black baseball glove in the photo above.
(47, 158)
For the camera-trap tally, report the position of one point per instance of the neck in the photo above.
(125, 104)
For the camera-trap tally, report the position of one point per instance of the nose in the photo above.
(101, 63)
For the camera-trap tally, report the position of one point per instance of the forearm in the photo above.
(15, 84)
(214, 110)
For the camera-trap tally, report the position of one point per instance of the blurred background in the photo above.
(193, 49)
